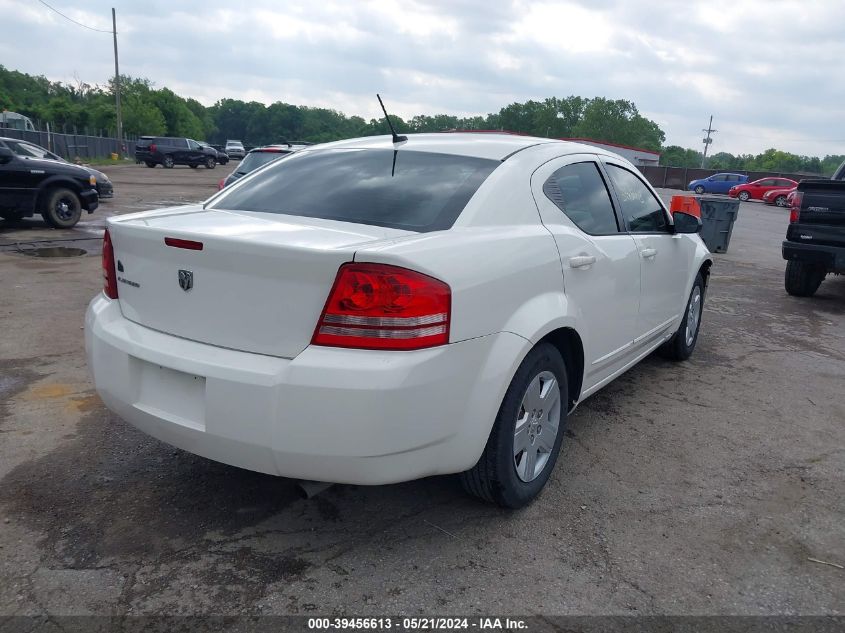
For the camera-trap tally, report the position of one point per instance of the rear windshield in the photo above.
(254, 160)
(416, 191)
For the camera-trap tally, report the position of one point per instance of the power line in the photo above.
(85, 26)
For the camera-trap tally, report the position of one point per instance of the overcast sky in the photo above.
(771, 72)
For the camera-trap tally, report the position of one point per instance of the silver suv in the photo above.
(235, 149)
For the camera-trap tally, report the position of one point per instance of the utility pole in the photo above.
(707, 140)
(117, 87)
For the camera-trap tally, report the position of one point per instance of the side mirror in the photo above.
(6, 155)
(686, 223)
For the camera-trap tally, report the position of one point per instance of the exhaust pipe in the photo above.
(310, 489)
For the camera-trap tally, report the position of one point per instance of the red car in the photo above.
(778, 197)
(755, 190)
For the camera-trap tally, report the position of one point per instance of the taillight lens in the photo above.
(109, 273)
(795, 199)
(152, 147)
(377, 306)
(221, 184)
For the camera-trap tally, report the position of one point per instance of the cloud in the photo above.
(769, 71)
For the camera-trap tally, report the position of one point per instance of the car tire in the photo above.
(519, 440)
(780, 201)
(210, 163)
(802, 279)
(150, 164)
(699, 190)
(61, 208)
(168, 162)
(744, 196)
(682, 344)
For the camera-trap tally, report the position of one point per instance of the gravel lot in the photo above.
(699, 488)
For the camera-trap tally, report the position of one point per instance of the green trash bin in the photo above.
(717, 221)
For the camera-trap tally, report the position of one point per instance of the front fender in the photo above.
(55, 181)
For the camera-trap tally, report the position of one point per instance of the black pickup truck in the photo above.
(58, 191)
(815, 238)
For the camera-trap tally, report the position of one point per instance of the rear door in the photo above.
(664, 258)
(763, 186)
(719, 184)
(600, 262)
(180, 151)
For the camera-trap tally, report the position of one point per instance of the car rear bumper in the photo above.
(330, 414)
(833, 257)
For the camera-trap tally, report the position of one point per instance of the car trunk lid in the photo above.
(254, 282)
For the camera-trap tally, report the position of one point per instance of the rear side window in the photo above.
(579, 191)
(416, 191)
(642, 211)
(254, 160)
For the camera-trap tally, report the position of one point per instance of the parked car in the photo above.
(778, 197)
(235, 149)
(169, 151)
(815, 238)
(436, 305)
(717, 183)
(256, 158)
(25, 149)
(57, 190)
(755, 190)
(222, 157)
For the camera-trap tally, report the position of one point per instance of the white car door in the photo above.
(665, 258)
(599, 260)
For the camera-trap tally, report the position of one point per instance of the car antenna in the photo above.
(396, 137)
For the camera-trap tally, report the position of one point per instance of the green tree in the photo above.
(676, 156)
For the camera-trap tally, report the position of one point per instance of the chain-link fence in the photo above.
(73, 146)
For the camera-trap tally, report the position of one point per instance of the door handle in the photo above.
(582, 261)
(648, 253)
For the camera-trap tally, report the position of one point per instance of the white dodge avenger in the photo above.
(371, 311)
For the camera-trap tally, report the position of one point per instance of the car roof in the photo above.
(478, 145)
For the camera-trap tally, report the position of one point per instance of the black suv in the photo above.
(58, 191)
(815, 238)
(168, 151)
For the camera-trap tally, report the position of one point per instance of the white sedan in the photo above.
(371, 312)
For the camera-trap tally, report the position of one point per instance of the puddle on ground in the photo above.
(54, 251)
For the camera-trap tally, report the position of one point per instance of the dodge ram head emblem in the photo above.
(186, 280)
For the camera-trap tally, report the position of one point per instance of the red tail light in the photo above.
(109, 274)
(376, 306)
(795, 199)
(152, 147)
(221, 184)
